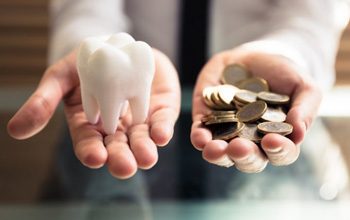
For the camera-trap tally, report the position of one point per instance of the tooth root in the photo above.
(90, 107)
(110, 111)
(124, 109)
(139, 108)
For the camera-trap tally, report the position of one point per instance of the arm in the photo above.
(301, 45)
(307, 32)
(131, 147)
(72, 21)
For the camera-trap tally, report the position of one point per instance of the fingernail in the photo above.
(256, 167)
(274, 150)
(225, 161)
(248, 159)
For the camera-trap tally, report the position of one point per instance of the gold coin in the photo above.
(234, 73)
(206, 93)
(273, 98)
(226, 131)
(218, 113)
(227, 116)
(250, 131)
(238, 102)
(238, 105)
(245, 96)
(274, 115)
(281, 128)
(252, 111)
(220, 120)
(214, 97)
(233, 116)
(226, 93)
(254, 84)
(206, 118)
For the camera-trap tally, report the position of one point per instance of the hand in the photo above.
(284, 78)
(131, 147)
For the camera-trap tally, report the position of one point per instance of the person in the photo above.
(291, 44)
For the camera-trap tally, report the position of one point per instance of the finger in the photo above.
(200, 135)
(142, 146)
(121, 161)
(32, 117)
(87, 141)
(280, 150)
(305, 104)
(246, 155)
(162, 124)
(215, 152)
(165, 100)
(208, 76)
(306, 96)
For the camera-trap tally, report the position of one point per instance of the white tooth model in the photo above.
(113, 70)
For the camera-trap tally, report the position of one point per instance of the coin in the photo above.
(226, 131)
(252, 111)
(245, 96)
(254, 84)
(274, 115)
(217, 112)
(207, 91)
(219, 116)
(215, 99)
(219, 120)
(273, 98)
(234, 73)
(238, 104)
(258, 111)
(281, 128)
(226, 94)
(250, 132)
(226, 116)
(206, 118)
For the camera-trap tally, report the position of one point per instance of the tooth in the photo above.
(114, 70)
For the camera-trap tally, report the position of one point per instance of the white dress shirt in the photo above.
(305, 31)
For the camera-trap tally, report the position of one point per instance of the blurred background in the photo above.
(25, 166)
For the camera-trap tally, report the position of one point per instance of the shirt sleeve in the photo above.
(72, 21)
(307, 32)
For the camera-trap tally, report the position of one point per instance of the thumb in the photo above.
(307, 99)
(33, 116)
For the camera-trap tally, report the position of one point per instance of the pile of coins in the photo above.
(242, 106)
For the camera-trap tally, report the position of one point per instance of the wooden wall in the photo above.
(24, 165)
(343, 59)
(23, 40)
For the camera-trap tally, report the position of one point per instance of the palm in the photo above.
(131, 147)
(282, 78)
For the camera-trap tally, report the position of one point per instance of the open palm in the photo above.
(131, 147)
(283, 77)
